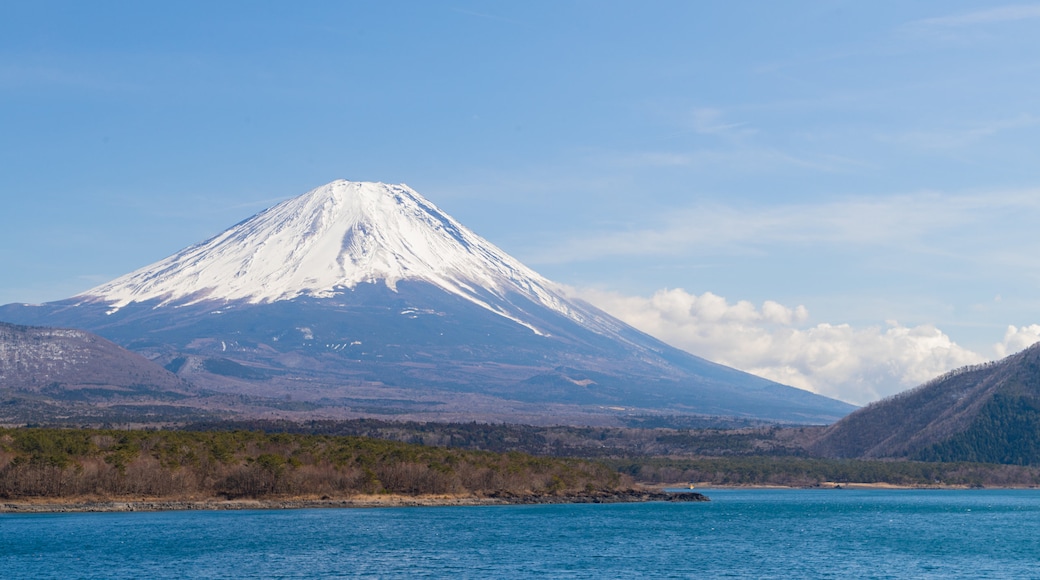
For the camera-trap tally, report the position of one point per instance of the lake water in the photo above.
(739, 534)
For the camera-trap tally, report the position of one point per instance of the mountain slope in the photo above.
(367, 299)
(60, 370)
(987, 413)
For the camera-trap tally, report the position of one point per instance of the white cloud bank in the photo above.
(1016, 339)
(858, 365)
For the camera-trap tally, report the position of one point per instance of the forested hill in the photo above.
(987, 413)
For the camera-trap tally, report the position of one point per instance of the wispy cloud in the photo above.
(749, 158)
(971, 27)
(710, 121)
(1009, 13)
(905, 221)
(712, 138)
(858, 365)
(959, 137)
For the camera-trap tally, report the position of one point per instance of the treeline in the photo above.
(753, 456)
(808, 472)
(558, 441)
(59, 463)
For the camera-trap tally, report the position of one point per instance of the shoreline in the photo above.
(100, 505)
(647, 493)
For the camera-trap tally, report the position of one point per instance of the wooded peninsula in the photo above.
(85, 466)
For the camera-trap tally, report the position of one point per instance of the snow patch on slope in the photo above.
(332, 239)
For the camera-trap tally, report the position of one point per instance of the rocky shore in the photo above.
(618, 496)
(49, 505)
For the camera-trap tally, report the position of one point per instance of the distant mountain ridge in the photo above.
(984, 413)
(35, 358)
(366, 299)
(48, 371)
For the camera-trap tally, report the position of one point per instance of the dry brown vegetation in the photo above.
(60, 463)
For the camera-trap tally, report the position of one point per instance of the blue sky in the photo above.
(839, 195)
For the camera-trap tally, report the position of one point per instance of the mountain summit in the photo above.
(331, 239)
(366, 299)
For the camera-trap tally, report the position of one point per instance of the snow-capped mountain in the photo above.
(331, 239)
(365, 298)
